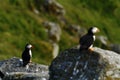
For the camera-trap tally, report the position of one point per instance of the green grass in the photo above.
(94, 13)
(19, 25)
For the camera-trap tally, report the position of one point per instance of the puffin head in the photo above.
(93, 30)
(28, 46)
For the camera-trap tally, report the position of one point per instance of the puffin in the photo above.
(87, 40)
(27, 55)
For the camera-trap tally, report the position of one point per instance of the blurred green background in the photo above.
(19, 25)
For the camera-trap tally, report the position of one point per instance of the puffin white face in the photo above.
(95, 30)
(29, 46)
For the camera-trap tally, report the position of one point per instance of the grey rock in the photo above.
(115, 47)
(73, 64)
(54, 7)
(77, 30)
(54, 34)
(25, 76)
(50, 6)
(54, 31)
(13, 70)
(113, 59)
(103, 40)
(74, 28)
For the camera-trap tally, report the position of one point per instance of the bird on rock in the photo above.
(27, 54)
(87, 40)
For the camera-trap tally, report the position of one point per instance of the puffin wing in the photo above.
(25, 56)
(86, 41)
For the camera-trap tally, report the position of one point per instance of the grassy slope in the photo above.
(18, 26)
(88, 13)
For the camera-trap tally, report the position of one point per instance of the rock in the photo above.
(76, 30)
(54, 31)
(25, 76)
(13, 70)
(73, 64)
(115, 47)
(62, 20)
(54, 34)
(50, 6)
(54, 7)
(55, 49)
(103, 40)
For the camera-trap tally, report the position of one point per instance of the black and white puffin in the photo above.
(27, 54)
(87, 40)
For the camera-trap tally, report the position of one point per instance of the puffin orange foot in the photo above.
(91, 49)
